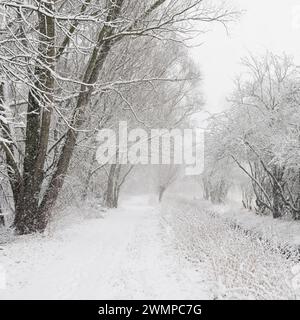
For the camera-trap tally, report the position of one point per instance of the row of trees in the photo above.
(259, 135)
(71, 67)
(164, 103)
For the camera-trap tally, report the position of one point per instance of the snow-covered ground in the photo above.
(285, 232)
(238, 265)
(124, 255)
(178, 250)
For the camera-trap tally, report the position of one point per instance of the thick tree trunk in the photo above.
(28, 218)
(58, 177)
(13, 172)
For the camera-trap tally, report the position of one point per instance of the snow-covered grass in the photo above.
(240, 266)
(284, 232)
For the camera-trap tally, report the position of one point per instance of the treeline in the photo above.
(258, 135)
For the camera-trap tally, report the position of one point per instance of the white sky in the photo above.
(266, 25)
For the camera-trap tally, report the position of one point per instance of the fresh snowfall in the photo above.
(149, 149)
(177, 250)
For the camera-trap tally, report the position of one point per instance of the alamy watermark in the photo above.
(155, 146)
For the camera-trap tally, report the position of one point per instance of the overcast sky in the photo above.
(272, 25)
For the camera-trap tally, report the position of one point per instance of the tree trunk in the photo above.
(278, 205)
(28, 219)
(277, 202)
(2, 219)
(112, 191)
(162, 190)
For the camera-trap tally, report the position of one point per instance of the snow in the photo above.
(237, 265)
(142, 250)
(124, 255)
(281, 231)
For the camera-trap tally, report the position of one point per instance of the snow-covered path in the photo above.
(126, 255)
